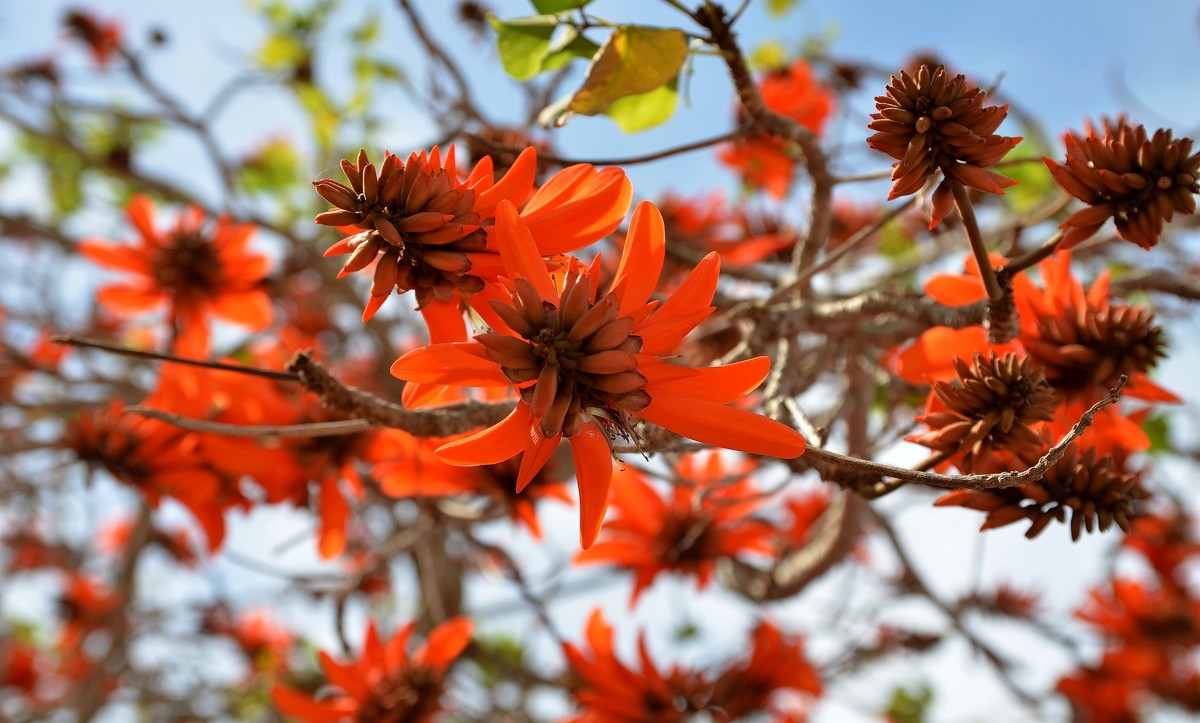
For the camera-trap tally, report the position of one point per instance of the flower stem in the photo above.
(994, 291)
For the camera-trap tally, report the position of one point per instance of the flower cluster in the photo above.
(1139, 181)
(1151, 630)
(933, 123)
(608, 691)
(1006, 408)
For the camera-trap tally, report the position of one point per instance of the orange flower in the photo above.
(1138, 180)
(764, 161)
(609, 692)
(588, 365)
(795, 93)
(1167, 542)
(385, 683)
(930, 122)
(1157, 623)
(1082, 339)
(197, 273)
(708, 518)
(157, 459)
(1101, 696)
(777, 663)
(427, 231)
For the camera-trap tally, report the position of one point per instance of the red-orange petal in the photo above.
(593, 474)
(683, 310)
(334, 512)
(723, 426)
(538, 451)
(721, 384)
(123, 258)
(521, 256)
(445, 643)
(642, 257)
(298, 705)
(251, 309)
(514, 187)
(497, 443)
(141, 212)
(462, 363)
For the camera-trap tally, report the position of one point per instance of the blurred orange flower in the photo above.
(197, 273)
(386, 682)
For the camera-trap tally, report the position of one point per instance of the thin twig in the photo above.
(966, 210)
(357, 404)
(911, 576)
(313, 429)
(997, 480)
(72, 340)
(1019, 264)
(844, 249)
(626, 161)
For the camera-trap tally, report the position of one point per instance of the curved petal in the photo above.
(642, 258)
(683, 310)
(445, 643)
(597, 209)
(444, 319)
(593, 475)
(497, 443)
(121, 257)
(721, 384)
(462, 363)
(558, 190)
(251, 309)
(538, 451)
(521, 256)
(514, 187)
(723, 426)
(297, 705)
(955, 289)
(334, 512)
(141, 212)
(129, 298)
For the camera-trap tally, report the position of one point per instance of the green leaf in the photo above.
(551, 7)
(569, 45)
(1034, 182)
(635, 113)
(1159, 432)
(781, 7)
(907, 706)
(523, 43)
(633, 60)
(274, 167)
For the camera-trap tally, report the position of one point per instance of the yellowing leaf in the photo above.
(635, 113)
(633, 60)
(768, 55)
(281, 52)
(781, 7)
